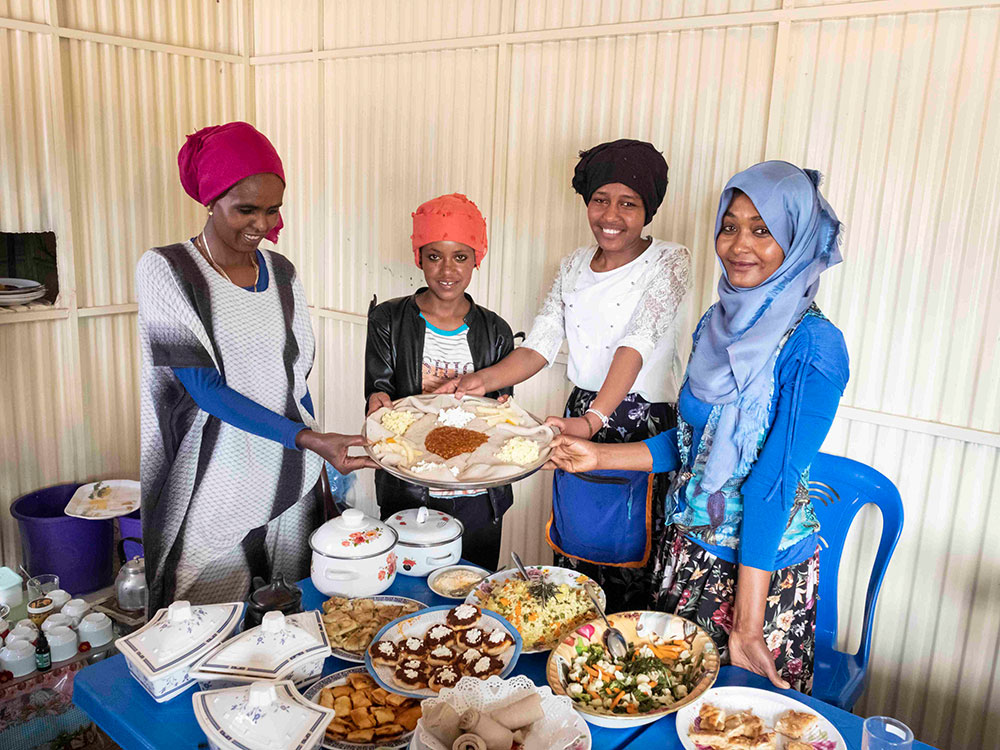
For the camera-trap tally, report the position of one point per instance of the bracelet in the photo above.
(605, 421)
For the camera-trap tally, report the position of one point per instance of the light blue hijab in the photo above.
(733, 363)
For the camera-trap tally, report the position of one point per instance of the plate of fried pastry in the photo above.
(367, 716)
(351, 624)
(739, 718)
(473, 443)
(419, 655)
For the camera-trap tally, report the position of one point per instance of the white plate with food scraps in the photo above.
(331, 742)
(765, 704)
(417, 626)
(511, 442)
(558, 577)
(108, 498)
(358, 657)
(456, 581)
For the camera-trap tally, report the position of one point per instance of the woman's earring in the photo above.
(209, 212)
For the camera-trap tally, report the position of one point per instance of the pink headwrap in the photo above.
(450, 217)
(217, 157)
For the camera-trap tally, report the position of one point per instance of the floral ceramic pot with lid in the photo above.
(428, 540)
(353, 555)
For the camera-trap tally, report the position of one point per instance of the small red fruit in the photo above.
(6, 676)
(84, 646)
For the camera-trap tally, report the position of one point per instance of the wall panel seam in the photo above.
(632, 28)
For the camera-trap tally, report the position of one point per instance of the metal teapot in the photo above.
(130, 585)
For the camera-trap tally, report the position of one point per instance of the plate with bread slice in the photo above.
(741, 718)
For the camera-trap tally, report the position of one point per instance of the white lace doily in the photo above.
(562, 728)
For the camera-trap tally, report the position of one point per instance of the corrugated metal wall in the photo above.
(378, 105)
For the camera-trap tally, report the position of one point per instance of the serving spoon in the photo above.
(613, 639)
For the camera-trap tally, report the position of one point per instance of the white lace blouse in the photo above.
(636, 306)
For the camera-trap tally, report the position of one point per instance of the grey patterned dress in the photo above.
(219, 504)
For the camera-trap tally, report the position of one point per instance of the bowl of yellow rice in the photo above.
(541, 624)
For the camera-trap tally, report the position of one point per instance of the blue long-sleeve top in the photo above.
(206, 386)
(815, 361)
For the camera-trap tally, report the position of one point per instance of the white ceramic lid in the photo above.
(421, 527)
(260, 716)
(271, 651)
(352, 536)
(179, 634)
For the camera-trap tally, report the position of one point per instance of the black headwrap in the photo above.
(636, 164)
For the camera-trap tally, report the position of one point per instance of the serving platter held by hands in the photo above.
(479, 469)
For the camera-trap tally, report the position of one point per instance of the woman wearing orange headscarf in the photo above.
(418, 342)
(228, 492)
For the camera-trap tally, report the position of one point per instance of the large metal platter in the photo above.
(526, 471)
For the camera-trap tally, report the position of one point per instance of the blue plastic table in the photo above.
(119, 706)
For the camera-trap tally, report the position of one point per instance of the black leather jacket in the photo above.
(393, 358)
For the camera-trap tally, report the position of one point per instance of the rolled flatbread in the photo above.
(496, 736)
(469, 742)
(520, 713)
(442, 721)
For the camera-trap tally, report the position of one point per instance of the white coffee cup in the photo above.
(18, 658)
(58, 620)
(26, 623)
(62, 642)
(96, 628)
(76, 608)
(59, 597)
(29, 634)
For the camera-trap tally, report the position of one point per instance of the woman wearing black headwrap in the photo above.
(616, 302)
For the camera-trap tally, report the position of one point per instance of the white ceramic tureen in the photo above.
(428, 540)
(160, 653)
(353, 555)
(291, 647)
(260, 716)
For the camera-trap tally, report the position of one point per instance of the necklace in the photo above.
(220, 269)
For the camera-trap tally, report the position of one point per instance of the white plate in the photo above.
(123, 498)
(767, 705)
(359, 657)
(481, 593)
(26, 285)
(417, 625)
(340, 678)
(21, 299)
(434, 576)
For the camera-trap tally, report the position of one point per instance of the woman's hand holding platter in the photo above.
(333, 447)
(573, 454)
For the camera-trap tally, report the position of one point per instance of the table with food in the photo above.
(461, 659)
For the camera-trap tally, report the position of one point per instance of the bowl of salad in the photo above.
(670, 662)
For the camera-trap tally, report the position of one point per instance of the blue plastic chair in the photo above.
(839, 488)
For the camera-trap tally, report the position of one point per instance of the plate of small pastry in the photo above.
(739, 718)
(418, 655)
(367, 716)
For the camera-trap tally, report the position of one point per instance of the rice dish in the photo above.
(518, 450)
(541, 626)
(421, 466)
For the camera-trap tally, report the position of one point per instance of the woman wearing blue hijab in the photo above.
(762, 387)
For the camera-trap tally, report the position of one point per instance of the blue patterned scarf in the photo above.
(733, 364)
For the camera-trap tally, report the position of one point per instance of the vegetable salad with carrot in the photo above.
(652, 675)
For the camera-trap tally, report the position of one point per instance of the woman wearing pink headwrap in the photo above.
(228, 493)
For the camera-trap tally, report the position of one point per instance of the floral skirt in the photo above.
(635, 419)
(700, 587)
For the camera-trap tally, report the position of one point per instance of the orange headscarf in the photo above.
(449, 217)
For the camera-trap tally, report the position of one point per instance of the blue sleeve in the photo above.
(809, 393)
(666, 457)
(307, 402)
(212, 395)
